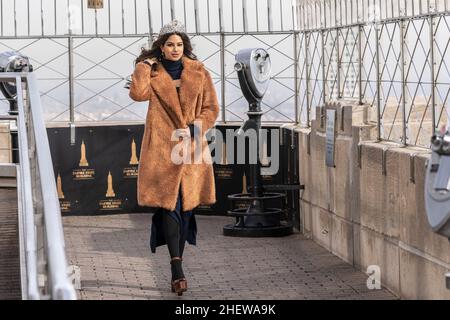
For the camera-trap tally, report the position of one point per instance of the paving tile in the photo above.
(116, 263)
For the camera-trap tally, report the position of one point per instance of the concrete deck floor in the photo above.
(116, 263)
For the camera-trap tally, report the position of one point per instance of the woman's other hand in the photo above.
(151, 61)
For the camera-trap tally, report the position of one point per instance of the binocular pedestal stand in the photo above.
(256, 220)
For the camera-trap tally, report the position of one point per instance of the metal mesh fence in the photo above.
(392, 55)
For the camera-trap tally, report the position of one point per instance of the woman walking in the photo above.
(183, 106)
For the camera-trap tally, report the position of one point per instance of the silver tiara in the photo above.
(172, 27)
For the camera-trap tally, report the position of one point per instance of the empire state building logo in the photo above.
(83, 160)
(83, 172)
(134, 160)
(110, 192)
(64, 203)
(111, 201)
(131, 171)
(59, 187)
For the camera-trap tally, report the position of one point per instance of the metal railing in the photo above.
(44, 269)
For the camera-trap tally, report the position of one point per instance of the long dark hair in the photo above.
(155, 51)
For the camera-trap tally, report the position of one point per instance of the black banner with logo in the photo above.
(98, 173)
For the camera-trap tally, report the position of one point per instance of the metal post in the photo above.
(184, 12)
(257, 17)
(351, 12)
(209, 18)
(56, 24)
(433, 73)
(96, 23)
(301, 22)
(297, 120)
(308, 102)
(318, 17)
(338, 51)
(150, 28)
(232, 15)
(222, 60)
(308, 18)
(339, 63)
(172, 9)
(281, 14)
(135, 18)
(71, 91)
(42, 19)
(82, 17)
(109, 16)
(221, 16)
(222, 74)
(269, 15)
(344, 3)
(123, 19)
(71, 82)
(392, 9)
(324, 71)
(244, 15)
(69, 26)
(161, 12)
(197, 18)
(404, 83)
(360, 66)
(1, 17)
(28, 16)
(377, 62)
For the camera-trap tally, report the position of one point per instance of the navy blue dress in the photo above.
(185, 219)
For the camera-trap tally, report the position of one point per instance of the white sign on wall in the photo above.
(331, 132)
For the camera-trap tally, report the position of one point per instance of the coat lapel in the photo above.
(164, 88)
(190, 86)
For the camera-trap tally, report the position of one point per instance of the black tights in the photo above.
(175, 243)
(175, 240)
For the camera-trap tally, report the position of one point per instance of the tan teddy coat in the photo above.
(159, 178)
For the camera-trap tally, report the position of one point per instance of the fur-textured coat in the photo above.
(159, 178)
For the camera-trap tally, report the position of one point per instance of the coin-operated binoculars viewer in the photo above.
(13, 61)
(437, 187)
(253, 67)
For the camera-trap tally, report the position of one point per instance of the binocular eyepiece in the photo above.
(12, 61)
(253, 67)
(440, 143)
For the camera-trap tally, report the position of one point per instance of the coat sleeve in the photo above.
(210, 105)
(140, 83)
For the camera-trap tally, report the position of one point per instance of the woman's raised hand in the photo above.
(151, 61)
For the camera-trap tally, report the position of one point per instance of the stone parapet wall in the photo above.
(5, 143)
(369, 209)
